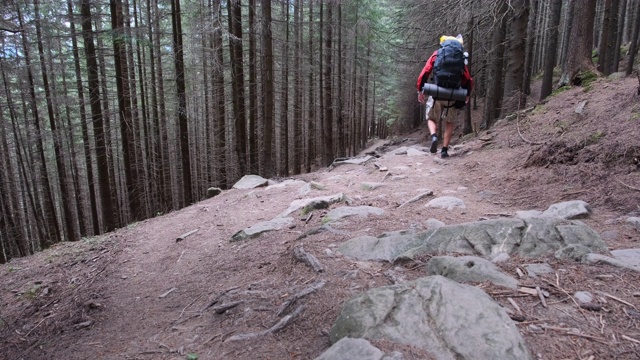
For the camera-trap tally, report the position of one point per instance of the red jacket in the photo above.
(466, 82)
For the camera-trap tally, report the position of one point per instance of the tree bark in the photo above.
(621, 25)
(219, 93)
(581, 44)
(51, 222)
(327, 128)
(237, 81)
(495, 86)
(253, 85)
(634, 40)
(514, 77)
(183, 130)
(106, 204)
(552, 45)
(268, 90)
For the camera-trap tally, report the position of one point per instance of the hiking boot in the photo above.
(434, 144)
(444, 153)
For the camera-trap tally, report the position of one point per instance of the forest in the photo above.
(112, 112)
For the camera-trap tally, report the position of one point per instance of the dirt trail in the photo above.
(109, 297)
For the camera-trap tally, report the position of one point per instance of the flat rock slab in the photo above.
(346, 211)
(262, 227)
(284, 184)
(354, 161)
(469, 269)
(575, 209)
(250, 182)
(370, 186)
(307, 205)
(415, 152)
(534, 270)
(449, 320)
(446, 202)
(602, 259)
(629, 256)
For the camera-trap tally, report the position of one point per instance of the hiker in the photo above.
(449, 69)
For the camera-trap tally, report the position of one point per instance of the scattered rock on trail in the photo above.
(370, 186)
(635, 221)
(346, 211)
(356, 349)
(250, 182)
(262, 227)
(575, 209)
(446, 202)
(533, 270)
(574, 252)
(445, 318)
(307, 205)
(621, 262)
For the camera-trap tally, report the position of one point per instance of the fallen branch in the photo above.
(272, 330)
(617, 299)
(541, 296)
(217, 298)
(220, 309)
(305, 257)
(167, 293)
(629, 186)
(417, 198)
(630, 339)
(515, 305)
(183, 236)
(293, 298)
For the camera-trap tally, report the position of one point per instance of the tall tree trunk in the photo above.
(106, 204)
(566, 36)
(340, 79)
(253, 98)
(176, 22)
(495, 87)
(268, 89)
(552, 45)
(467, 127)
(297, 89)
(328, 95)
(70, 220)
(604, 47)
(218, 88)
(579, 53)
(634, 40)
(514, 77)
(86, 142)
(237, 81)
(532, 39)
(621, 24)
(310, 136)
(124, 109)
(51, 221)
(283, 119)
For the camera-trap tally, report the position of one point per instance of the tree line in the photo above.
(115, 111)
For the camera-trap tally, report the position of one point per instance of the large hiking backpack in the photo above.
(449, 64)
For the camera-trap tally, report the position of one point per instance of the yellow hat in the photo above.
(444, 38)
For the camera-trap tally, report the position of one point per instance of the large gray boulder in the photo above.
(447, 319)
(250, 182)
(469, 269)
(528, 238)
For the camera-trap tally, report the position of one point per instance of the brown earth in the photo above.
(108, 297)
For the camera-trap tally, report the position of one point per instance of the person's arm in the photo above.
(424, 76)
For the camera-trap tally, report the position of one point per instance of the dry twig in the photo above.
(293, 298)
(629, 186)
(272, 330)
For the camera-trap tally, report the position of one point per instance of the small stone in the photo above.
(583, 297)
(501, 257)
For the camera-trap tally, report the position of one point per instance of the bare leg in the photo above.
(448, 130)
(432, 126)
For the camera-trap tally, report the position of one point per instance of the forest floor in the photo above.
(136, 293)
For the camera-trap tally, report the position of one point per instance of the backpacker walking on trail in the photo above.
(451, 77)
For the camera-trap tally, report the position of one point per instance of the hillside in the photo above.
(137, 293)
